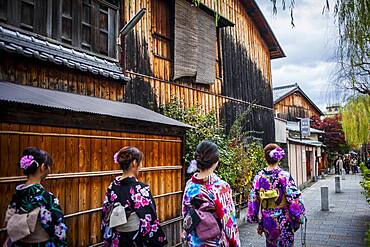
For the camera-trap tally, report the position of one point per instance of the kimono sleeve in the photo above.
(145, 208)
(254, 202)
(295, 202)
(107, 232)
(51, 218)
(228, 221)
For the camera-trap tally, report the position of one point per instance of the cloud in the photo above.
(310, 48)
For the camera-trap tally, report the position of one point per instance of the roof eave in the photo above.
(304, 95)
(275, 50)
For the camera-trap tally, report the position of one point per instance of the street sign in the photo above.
(305, 127)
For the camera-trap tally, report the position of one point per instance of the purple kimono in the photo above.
(278, 224)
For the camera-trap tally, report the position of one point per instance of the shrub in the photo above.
(239, 162)
(365, 183)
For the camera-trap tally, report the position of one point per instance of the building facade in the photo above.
(306, 154)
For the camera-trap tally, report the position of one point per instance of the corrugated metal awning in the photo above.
(11, 92)
(307, 142)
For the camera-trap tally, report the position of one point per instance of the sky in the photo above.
(309, 46)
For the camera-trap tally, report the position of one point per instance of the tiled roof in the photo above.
(48, 50)
(11, 92)
(280, 93)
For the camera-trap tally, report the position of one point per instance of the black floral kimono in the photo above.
(28, 198)
(136, 195)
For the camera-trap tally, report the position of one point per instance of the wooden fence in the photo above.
(83, 168)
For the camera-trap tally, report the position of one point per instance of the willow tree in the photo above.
(352, 18)
(356, 120)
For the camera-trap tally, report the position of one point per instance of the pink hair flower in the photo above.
(277, 153)
(27, 161)
(115, 158)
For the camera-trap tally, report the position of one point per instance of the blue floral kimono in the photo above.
(218, 192)
(28, 198)
(278, 224)
(136, 195)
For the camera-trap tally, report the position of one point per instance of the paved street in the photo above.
(344, 225)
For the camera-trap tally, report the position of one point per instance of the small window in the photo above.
(86, 24)
(162, 34)
(3, 9)
(218, 55)
(67, 21)
(27, 14)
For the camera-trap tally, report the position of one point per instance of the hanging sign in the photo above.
(305, 127)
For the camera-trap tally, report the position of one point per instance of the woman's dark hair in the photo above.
(268, 148)
(127, 155)
(40, 156)
(206, 155)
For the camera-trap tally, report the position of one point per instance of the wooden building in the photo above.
(306, 156)
(70, 47)
(291, 103)
(238, 51)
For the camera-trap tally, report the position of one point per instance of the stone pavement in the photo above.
(344, 225)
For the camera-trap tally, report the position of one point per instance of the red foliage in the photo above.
(334, 137)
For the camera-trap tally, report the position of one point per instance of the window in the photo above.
(86, 24)
(162, 33)
(218, 55)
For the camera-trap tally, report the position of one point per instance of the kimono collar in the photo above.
(24, 186)
(208, 180)
(276, 170)
(126, 181)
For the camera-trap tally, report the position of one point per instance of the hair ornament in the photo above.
(192, 167)
(277, 154)
(115, 157)
(27, 161)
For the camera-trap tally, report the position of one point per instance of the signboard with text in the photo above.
(305, 127)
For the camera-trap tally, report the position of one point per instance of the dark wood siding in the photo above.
(245, 76)
(31, 72)
(295, 106)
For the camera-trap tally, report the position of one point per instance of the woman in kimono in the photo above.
(275, 202)
(50, 229)
(142, 227)
(208, 187)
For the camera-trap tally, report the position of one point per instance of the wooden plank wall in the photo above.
(31, 72)
(76, 151)
(293, 106)
(149, 56)
(157, 20)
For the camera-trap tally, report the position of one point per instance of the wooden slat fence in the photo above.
(83, 168)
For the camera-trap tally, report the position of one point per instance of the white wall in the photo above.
(280, 131)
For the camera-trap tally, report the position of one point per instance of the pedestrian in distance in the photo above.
(129, 212)
(339, 164)
(346, 164)
(275, 202)
(207, 207)
(354, 165)
(34, 216)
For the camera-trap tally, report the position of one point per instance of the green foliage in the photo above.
(239, 162)
(365, 182)
(242, 165)
(205, 127)
(356, 120)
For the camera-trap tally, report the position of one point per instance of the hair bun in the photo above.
(125, 156)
